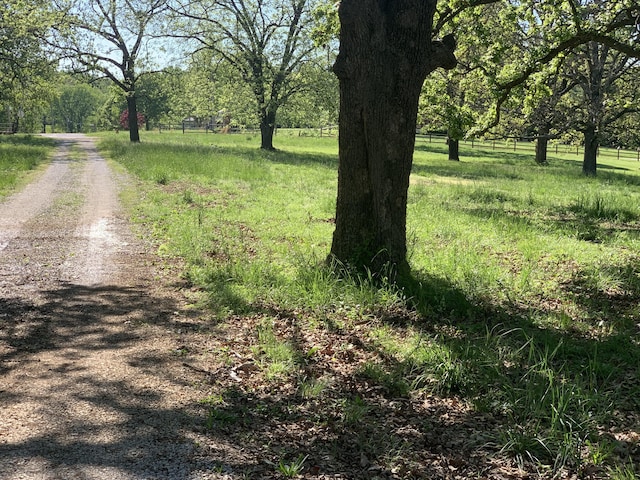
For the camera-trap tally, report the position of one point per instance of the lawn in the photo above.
(20, 154)
(513, 354)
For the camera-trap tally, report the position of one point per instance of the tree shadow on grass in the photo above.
(478, 379)
(301, 158)
(342, 422)
(373, 413)
(582, 222)
(611, 358)
(467, 171)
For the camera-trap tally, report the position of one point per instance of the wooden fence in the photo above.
(517, 145)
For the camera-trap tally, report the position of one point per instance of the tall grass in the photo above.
(526, 289)
(20, 154)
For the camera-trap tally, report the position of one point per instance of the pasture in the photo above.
(514, 351)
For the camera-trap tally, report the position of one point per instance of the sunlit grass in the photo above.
(19, 155)
(525, 300)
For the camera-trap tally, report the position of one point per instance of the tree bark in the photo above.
(132, 107)
(386, 52)
(267, 128)
(454, 149)
(591, 144)
(541, 149)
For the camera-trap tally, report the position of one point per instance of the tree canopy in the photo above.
(266, 42)
(111, 37)
(25, 70)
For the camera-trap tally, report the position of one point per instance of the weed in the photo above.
(212, 400)
(623, 472)
(162, 178)
(293, 468)
(280, 357)
(392, 381)
(599, 452)
(354, 410)
(312, 388)
(525, 445)
(216, 416)
(188, 197)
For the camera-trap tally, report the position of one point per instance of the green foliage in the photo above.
(25, 69)
(327, 24)
(317, 104)
(447, 103)
(292, 469)
(74, 104)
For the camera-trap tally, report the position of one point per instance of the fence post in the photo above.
(515, 144)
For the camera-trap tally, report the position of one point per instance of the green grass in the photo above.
(20, 154)
(292, 469)
(525, 305)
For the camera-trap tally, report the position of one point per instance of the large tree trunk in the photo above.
(591, 143)
(454, 149)
(267, 128)
(132, 106)
(541, 148)
(386, 52)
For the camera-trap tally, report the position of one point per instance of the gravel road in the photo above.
(90, 385)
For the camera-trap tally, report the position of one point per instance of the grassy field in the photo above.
(515, 355)
(20, 154)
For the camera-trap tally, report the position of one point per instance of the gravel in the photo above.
(90, 385)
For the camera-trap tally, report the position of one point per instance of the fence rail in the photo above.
(507, 144)
(6, 128)
(516, 145)
(189, 128)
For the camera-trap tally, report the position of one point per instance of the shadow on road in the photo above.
(82, 367)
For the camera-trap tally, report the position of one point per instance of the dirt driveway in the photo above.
(90, 384)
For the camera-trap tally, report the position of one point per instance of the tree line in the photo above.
(563, 70)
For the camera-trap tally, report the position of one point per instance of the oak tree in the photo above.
(386, 51)
(266, 42)
(600, 74)
(110, 37)
(555, 29)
